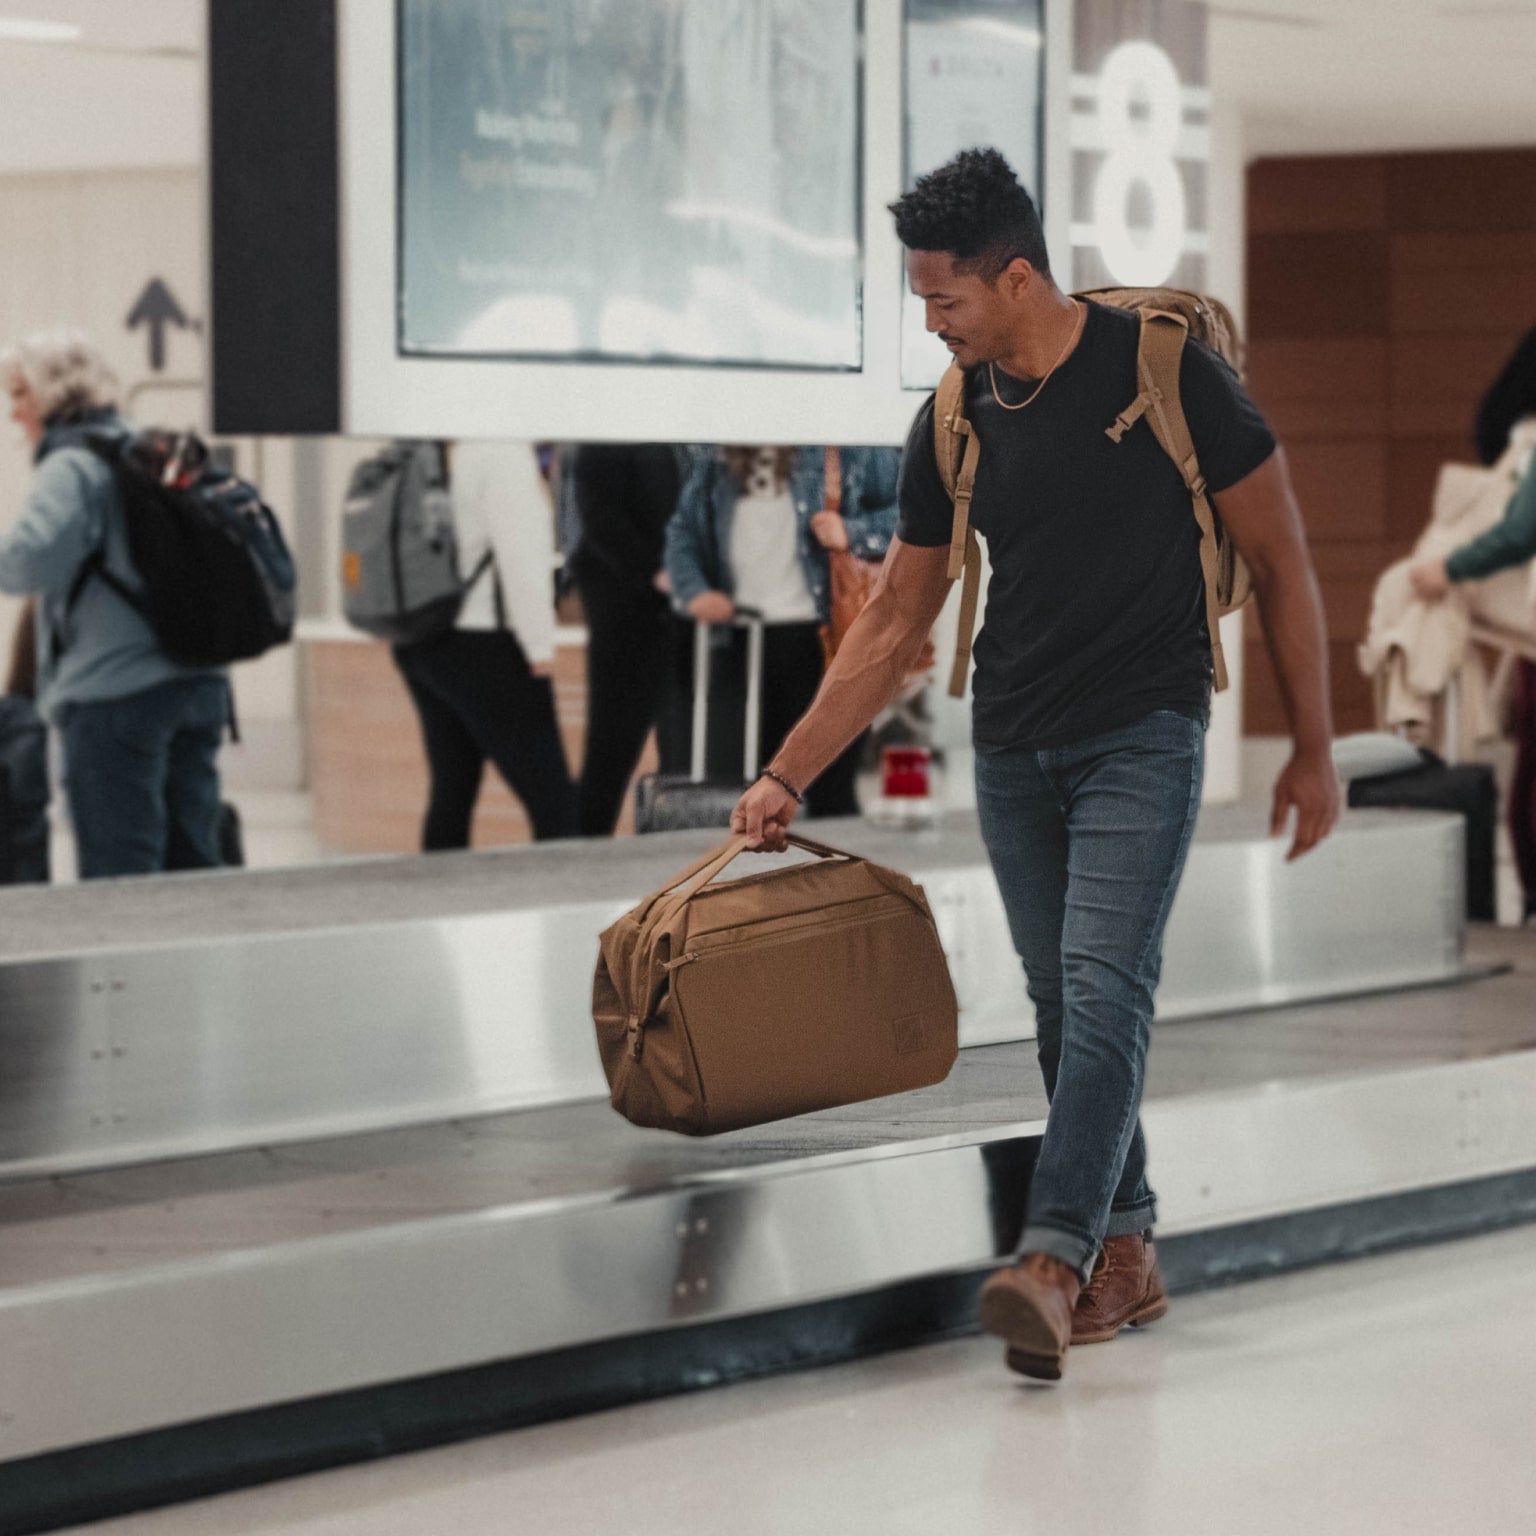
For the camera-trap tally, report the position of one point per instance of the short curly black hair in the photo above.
(975, 209)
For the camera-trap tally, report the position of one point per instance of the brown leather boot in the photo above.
(1125, 1290)
(1029, 1306)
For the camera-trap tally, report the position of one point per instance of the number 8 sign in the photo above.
(1139, 151)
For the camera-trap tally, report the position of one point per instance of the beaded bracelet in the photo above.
(783, 784)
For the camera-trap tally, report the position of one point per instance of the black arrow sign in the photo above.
(157, 307)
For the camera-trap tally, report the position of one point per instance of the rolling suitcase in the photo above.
(1436, 786)
(670, 802)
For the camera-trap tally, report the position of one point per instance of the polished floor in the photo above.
(1392, 1395)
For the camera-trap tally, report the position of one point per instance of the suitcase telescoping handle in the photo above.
(752, 621)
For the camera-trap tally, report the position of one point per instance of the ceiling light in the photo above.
(15, 30)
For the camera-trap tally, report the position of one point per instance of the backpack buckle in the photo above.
(1133, 413)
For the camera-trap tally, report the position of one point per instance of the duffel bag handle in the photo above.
(656, 913)
(732, 849)
(719, 858)
(703, 862)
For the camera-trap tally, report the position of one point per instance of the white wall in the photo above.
(105, 117)
(126, 93)
(77, 252)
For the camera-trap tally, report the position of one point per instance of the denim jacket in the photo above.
(699, 535)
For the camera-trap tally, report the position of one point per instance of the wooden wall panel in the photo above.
(1471, 192)
(1435, 382)
(1469, 296)
(1292, 198)
(1322, 387)
(1317, 285)
(1413, 468)
(1347, 573)
(1342, 487)
(1352, 700)
(1384, 293)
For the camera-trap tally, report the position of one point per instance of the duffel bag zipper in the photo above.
(810, 923)
(636, 1024)
(783, 936)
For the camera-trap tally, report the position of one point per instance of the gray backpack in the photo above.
(400, 573)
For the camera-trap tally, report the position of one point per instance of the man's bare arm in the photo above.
(877, 654)
(1261, 514)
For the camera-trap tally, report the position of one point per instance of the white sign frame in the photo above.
(386, 394)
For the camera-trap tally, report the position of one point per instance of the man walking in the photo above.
(1092, 688)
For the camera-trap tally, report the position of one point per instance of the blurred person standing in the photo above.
(140, 732)
(24, 786)
(624, 494)
(482, 688)
(752, 531)
(1510, 401)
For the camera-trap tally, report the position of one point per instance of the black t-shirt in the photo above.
(1095, 612)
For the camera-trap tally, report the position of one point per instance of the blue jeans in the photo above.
(142, 778)
(1088, 842)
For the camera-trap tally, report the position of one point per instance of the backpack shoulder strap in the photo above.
(950, 427)
(1159, 355)
(958, 450)
(109, 448)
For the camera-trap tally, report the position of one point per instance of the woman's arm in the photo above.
(872, 525)
(1510, 542)
(685, 551)
(503, 481)
(58, 526)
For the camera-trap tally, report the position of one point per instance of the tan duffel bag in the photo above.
(719, 1006)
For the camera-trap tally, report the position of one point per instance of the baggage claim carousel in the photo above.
(301, 1168)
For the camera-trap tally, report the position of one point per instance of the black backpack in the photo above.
(218, 578)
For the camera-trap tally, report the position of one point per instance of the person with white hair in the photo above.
(140, 732)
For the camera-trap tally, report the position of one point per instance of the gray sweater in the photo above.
(109, 650)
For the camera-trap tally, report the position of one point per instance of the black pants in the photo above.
(478, 702)
(631, 644)
(792, 668)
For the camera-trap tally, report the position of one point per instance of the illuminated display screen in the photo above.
(974, 73)
(647, 180)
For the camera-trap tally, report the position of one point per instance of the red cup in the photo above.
(904, 773)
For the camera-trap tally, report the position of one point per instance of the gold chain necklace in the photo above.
(1077, 327)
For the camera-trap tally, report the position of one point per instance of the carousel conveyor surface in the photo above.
(157, 1018)
(178, 1292)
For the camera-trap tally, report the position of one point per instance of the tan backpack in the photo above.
(1168, 315)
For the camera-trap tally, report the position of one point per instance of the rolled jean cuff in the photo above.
(1134, 1222)
(1071, 1250)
